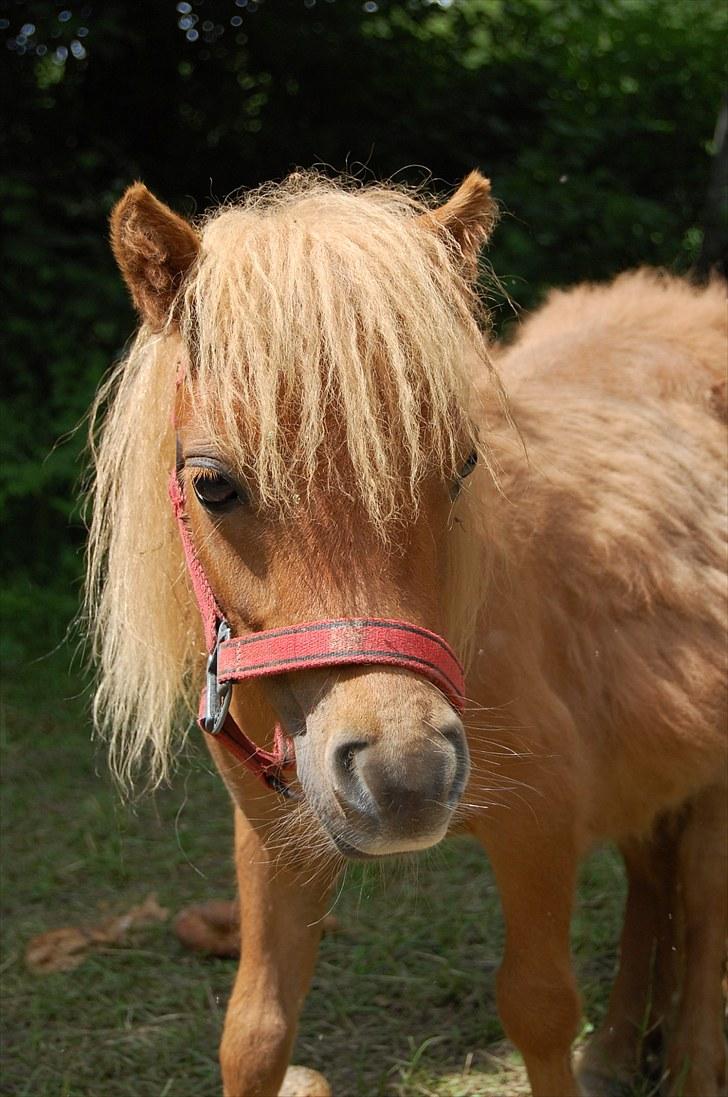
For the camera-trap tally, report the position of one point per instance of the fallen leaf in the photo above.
(331, 924)
(58, 950)
(64, 949)
(213, 928)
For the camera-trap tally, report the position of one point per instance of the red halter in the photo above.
(337, 642)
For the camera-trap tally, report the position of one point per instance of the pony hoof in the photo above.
(212, 928)
(304, 1082)
(593, 1084)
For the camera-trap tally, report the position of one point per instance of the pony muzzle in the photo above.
(388, 798)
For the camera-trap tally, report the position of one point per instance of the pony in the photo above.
(313, 363)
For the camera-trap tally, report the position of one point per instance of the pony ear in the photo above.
(154, 249)
(469, 216)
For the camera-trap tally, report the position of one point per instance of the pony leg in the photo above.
(536, 992)
(280, 920)
(649, 959)
(696, 1053)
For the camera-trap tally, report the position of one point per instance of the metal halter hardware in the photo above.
(217, 694)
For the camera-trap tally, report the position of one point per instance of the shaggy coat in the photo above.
(323, 346)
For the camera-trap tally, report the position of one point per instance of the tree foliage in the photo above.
(594, 119)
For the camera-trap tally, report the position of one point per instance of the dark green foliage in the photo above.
(593, 117)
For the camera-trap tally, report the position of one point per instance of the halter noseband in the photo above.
(348, 641)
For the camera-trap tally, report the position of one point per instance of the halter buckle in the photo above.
(217, 696)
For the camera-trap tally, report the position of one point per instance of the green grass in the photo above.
(402, 1002)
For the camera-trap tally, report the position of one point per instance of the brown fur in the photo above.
(595, 590)
(154, 248)
(469, 217)
(603, 646)
(619, 460)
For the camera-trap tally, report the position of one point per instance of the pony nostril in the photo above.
(344, 760)
(350, 789)
(454, 733)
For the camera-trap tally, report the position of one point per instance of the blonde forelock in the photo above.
(336, 305)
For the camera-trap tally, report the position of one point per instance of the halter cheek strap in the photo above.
(348, 641)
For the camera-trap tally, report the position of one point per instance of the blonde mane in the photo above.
(311, 303)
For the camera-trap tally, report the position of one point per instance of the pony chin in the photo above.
(384, 847)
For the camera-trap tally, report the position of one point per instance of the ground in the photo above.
(402, 1004)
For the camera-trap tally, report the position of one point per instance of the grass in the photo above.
(402, 1002)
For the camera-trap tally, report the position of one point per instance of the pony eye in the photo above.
(468, 465)
(215, 491)
(463, 472)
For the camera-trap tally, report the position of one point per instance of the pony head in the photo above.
(311, 359)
